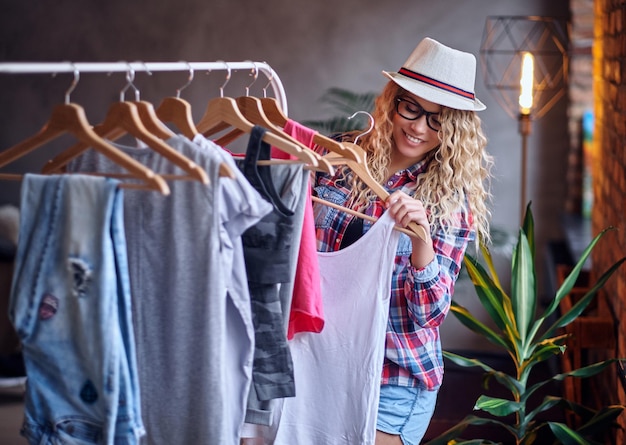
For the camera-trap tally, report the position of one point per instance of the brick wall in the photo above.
(609, 171)
(580, 95)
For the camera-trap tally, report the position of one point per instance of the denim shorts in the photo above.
(405, 412)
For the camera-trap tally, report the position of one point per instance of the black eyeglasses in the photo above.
(411, 111)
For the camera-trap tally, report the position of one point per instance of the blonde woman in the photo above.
(427, 149)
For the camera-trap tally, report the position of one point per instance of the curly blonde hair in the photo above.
(457, 176)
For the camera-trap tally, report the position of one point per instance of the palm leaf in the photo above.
(603, 418)
(582, 304)
(566, 435)
(497, 406)
(506, 380)
(523, 287)
(467, 319)
(547, 403)
(489, 260)
(586, 371)
(490, 294)
(528, 226)
(570, 280)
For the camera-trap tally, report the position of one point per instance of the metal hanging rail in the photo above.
(110, 67)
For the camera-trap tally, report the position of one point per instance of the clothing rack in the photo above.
(120, 67)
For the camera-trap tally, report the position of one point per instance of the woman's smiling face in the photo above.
(413, 139)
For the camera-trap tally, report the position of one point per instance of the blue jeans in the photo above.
(405, 412)
(70, 305)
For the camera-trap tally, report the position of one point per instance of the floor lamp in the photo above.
(524, 64)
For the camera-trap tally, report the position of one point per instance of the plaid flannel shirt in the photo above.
(420, 298)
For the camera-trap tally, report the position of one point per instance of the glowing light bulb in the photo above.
(526, 84)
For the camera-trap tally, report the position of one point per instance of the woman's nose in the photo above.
(420, 124)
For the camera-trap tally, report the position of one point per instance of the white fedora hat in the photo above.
(441, 75)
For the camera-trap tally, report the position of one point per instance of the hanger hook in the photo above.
(369, 129)
(188, 80)
(130, 76)
(137, 94)
(255, 73)
(227, 77)
(74, 83)
(269, 82)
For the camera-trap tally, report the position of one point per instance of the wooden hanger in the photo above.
(361, 170)
(151, 121)
(364, 174)
(122, 118)
(276, 116)
(70, 118)
(155, 125)
(178, 111)
(358, 214)
(224, 110)
(251, 108)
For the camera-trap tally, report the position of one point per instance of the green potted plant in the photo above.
(529, 337)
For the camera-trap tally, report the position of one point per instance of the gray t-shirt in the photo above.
(180, 263)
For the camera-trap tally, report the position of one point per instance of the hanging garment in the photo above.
(270, 249)
(306, 311)
(179, 278)
(338, 370)
(70, 304)
(240, 335)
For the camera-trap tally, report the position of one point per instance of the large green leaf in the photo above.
(586, 371)
(486, 253)
(582, 411)
(579, 307)
(466, 318)
(506, 380)
(467, 362)
(566, 435)
(490, 295)
(570, 281)
(547, 403)
(602, 419)
(497, 406)
(540, 354)
(528, 225)
(534, 388)
(523, 288)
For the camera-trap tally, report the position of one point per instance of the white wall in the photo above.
(313, 45)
